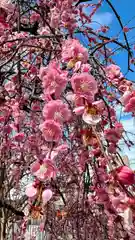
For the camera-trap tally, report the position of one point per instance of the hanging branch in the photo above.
(125, 36)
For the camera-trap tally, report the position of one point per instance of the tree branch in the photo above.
(81, 1)
(3, 204)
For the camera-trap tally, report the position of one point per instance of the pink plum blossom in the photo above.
(79, 110)
(19, 137)
(51, 131)
(113, 71)
(72, 49)
(85, 67)
(46, 170)
(84, 85)
(126, 97)
(46, 195)
(35, 167)
(57, 111)
(31, 191)
(125, 175)
(53, 79)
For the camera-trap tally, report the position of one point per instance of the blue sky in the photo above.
(126, 11)
(105, 16)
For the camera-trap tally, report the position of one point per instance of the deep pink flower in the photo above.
(53, 79)
(125, 175)
(130, 106)
(56, 110)
(35, 167)
(19, 137)
(126, 29)
(51, 131)
(112, 148)
(84, 85)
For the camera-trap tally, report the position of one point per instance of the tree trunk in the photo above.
(2, 226)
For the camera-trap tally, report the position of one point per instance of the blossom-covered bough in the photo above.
(60, 159)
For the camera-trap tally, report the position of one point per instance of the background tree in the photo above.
(58, 123)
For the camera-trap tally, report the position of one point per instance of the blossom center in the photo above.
(91, 111)
(84, 86)
(57, 115)
(43, 168)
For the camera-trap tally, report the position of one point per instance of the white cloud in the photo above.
(129, 126)
(98, 19)
(105, 18)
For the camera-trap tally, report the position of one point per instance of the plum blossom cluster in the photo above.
(128, 100)
(59, 125)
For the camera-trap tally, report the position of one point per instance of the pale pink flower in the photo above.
(70, 96)
(46, 195)
(84, 85)
(85, 67)
(6, 5)
(55, 17)
(56, 110)
(42, 226)
(113, 71)
(92, 115)
(91, 118)
(52, 155)
(99, 105)
(46, 170)
(126, 97)
(9, 87)
(58, 150)
(128, 218)
(72, 49)
(51, 131)
(116, 201)
(77, 65)
(31, 191)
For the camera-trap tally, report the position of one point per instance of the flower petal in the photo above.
(46, 195)
(30, 191)
(91, 119)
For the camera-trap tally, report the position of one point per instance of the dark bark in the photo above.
(4, 204)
